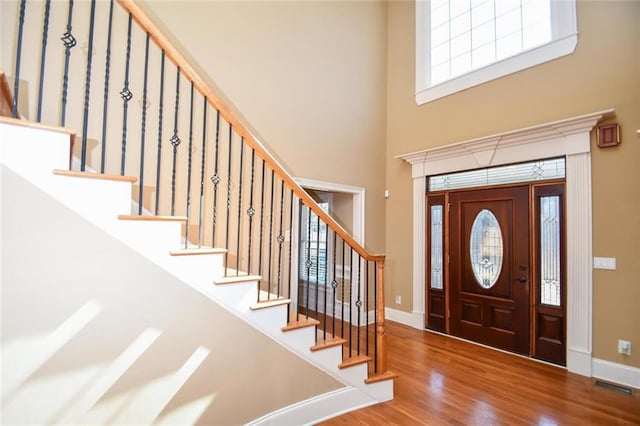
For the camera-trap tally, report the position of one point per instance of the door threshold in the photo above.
(563, 367)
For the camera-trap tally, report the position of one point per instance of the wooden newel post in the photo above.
(381, 342)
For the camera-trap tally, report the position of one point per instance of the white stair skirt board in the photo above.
(316, 409)
(100, 202)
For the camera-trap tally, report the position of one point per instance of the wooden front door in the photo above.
(489, 264)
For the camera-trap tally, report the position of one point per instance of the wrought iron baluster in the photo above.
(239, 207)
(87, 88)
(343, 290)
(69, 42)
(271, 232)
(160, 112)
(261, 224)
(143, 128)
(43, 56)
(280, 238)
(107, 70)
(324, 284)
(366, 299)
(251, 211)
(301, 258)
(175, 141)
(334, 285)
(205, 106)
(226, 239)
(375, 318)
(358, 304)
(291, 252)
(16, 83)
(188, 224)
(126, 97)
(215, 179)
(309, 262)
(317, 263)
(350, 300)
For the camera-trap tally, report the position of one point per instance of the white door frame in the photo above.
(357, 221)
(569, 138)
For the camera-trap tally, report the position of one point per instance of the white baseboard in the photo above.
(616, 373)
(579, 362)
(412, 319)
(316, 409)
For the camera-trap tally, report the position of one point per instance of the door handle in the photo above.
(522, 280)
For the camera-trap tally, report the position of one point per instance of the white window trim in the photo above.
(562, 45)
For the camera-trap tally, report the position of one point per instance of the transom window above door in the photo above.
(553, 168)
(462, 43)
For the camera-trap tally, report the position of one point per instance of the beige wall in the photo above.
(308, 76)
(43, 284)
(604, 72)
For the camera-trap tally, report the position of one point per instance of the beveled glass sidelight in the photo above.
(486, 248)
(436, 247)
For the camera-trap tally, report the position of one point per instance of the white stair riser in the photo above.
(198, 270)
(152, 238)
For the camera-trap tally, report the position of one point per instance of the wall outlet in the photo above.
(624, 347)
(398, 300)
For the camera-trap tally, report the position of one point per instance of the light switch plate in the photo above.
(604, 263)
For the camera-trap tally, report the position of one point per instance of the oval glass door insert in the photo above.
(486, 249)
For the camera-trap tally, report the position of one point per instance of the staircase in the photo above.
(152, 188)
(102, 200)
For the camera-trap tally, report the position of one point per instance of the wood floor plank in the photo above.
(445, 381)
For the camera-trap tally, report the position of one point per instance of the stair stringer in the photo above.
(154, 240)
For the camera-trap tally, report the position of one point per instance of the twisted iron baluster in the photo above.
(261, 222)
(291, 251)
(226, 240)
(16, 84)
(69, 42)
(186, 237)
(143, 130)
(271, 231)
(160, 111)
(317, 262)
(87, 88)
(334, 284)
(107, 69)
(280, 238)
(375, 318)
(215, 179)
(343, 289)
(326, 246)
(350, 300)
(239, 207)
(251, 211)
(43, 55)
(175, 141)
(202, 168)
(358, 304)
(308, 263)
(126, 96)
(366, 298)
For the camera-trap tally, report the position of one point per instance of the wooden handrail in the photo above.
(214, 100)
(6, 99)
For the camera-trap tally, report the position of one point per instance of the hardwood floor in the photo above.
(444, 381)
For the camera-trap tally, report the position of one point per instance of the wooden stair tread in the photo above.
(301, 322)
(374, 378)
(238, 279)
(33, 124)
(153, 218)
(329, 342)
(354, 360)
(197, 251)
(90, 175)
(269, 303)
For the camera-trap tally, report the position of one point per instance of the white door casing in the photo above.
(569, 138)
